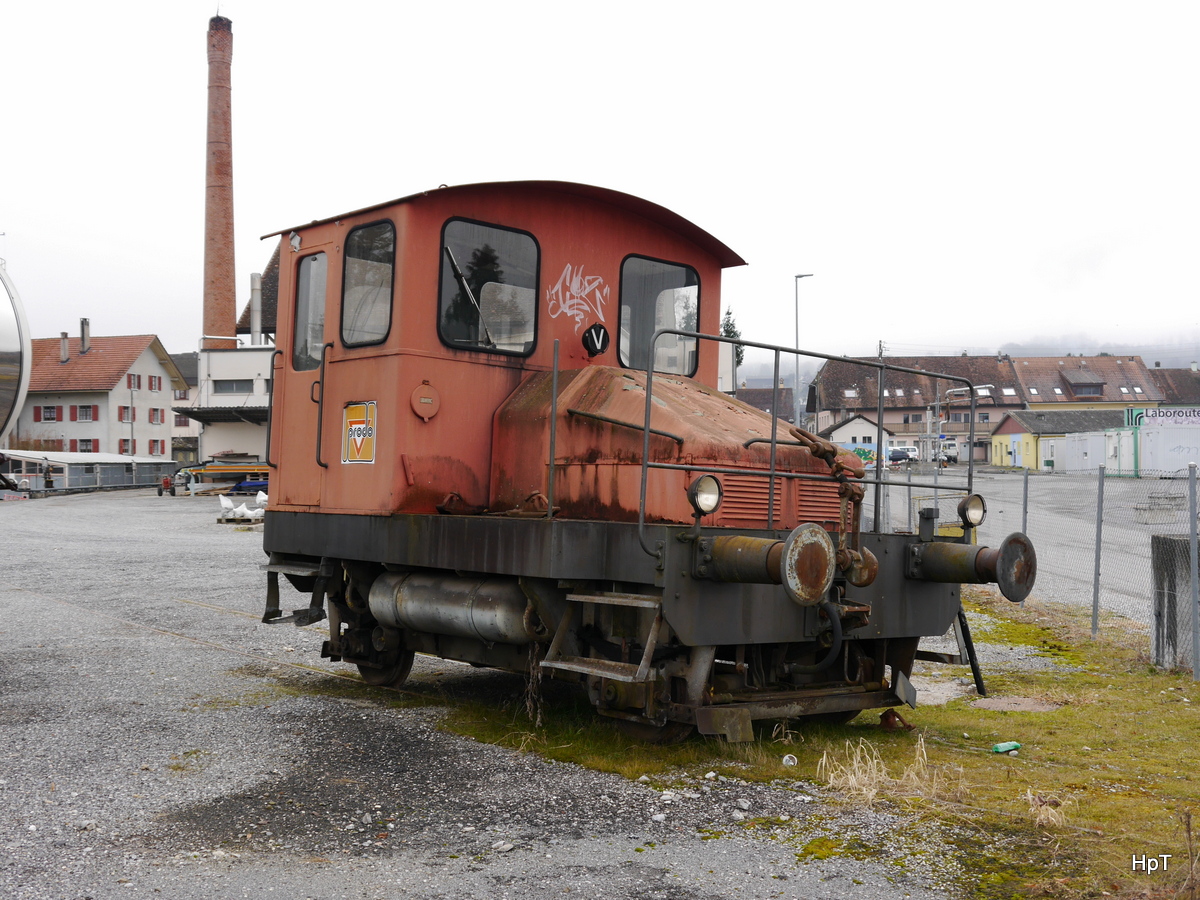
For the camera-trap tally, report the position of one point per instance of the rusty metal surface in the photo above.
(1012, 566)
(808, 564)
(598, 453)
(742, 558)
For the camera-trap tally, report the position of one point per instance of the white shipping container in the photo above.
(1169, 448)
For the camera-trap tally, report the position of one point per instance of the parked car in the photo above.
(898, 456)
(909, 452)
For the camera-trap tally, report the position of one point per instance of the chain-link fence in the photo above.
(1121, 547)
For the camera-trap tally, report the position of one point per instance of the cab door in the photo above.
(297, 402)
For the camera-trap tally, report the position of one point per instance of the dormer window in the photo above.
(1009, 392)
(850, 393)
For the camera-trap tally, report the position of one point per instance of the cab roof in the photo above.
(644, 208)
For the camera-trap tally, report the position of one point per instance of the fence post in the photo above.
(1096, 573)
(1192, 566)
(1025, 505)
(910, 522)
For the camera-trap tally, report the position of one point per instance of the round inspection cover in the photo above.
(1016, 567)
(425, 401)
(808, 564)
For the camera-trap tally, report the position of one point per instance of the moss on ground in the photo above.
(1118, 758)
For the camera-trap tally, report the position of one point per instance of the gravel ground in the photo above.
(159, 740)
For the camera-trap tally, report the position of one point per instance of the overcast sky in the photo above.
(955, 175)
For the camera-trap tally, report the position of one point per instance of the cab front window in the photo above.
(658, 295)
(488, 295)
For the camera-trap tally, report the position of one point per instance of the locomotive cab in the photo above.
(495, 439)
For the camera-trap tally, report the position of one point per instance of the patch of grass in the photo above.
(187, 761)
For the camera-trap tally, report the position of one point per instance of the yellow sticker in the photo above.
(358, 433)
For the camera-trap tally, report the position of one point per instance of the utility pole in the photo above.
(796, 382)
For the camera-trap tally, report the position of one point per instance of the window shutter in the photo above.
(133, 414)
(133, 448)
(95, 413)
(74, 443)
(37, 414)
(95, 446)
(58, 413)
(74, 415)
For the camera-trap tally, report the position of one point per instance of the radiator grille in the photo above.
(745, 501)
(745, 498)
(818, 502)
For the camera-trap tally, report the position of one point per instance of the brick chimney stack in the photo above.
(220, 294)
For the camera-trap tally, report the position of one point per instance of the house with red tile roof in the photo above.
(919, 407)
(104, 394)
(1086, 382)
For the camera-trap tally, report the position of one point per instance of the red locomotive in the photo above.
(495, 439)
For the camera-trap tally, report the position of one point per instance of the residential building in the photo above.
(1179, 387)
(859, 434)
(921, 409)
(1034, 438)
(763, 397)
(1086, 382)
(99, 395)
(185, 431)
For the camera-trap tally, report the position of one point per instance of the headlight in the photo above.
(704, 495)
(972, 509)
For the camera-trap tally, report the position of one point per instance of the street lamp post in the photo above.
(796, 382)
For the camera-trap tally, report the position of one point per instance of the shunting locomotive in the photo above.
(496, 438)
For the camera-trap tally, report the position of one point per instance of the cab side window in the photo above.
(367, 284)
(487, 296)
(309, 322)
(657, 295)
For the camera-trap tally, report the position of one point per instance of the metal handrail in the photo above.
(271, 406)
(773, 472)
(321, 405)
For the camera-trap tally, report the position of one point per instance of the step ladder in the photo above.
(605, 668)
(283, 565)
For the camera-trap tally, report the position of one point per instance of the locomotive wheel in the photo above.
(694, 684)
(392, 676)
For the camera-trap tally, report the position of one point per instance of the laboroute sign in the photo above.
(1182, 415)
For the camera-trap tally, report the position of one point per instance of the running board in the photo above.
(605, 668)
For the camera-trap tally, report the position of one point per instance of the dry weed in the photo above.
(1192, 883)
(920, 779)
(861, 777)
(782, 734)
(1048, 810)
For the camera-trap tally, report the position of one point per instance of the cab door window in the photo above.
(657, 295)
(367, 284)
(309, 322)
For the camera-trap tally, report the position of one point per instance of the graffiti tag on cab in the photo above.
(578, 296)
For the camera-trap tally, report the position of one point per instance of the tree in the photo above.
(729, 329)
